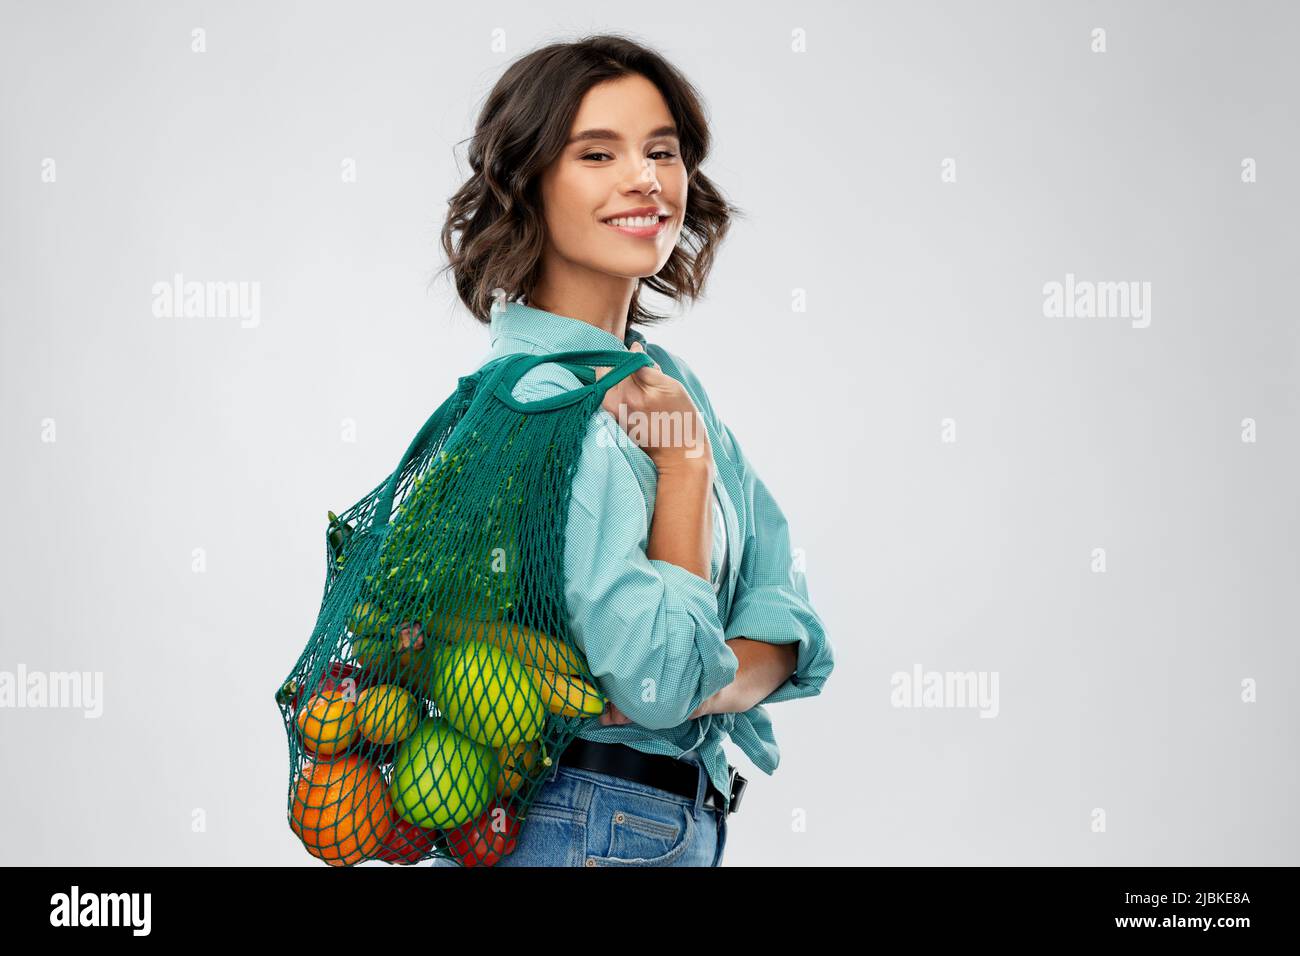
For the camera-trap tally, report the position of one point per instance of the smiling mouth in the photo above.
(610, 220)
(641, 232)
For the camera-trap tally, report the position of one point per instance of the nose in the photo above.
(644, 178)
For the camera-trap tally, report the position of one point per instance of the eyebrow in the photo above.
(669, 130)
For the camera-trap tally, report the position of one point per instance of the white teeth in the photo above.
(634, 222)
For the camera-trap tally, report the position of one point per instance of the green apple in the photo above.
(441, 778)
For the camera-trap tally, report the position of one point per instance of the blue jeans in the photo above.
(584, 818)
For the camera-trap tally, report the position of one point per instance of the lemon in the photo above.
(386, 714)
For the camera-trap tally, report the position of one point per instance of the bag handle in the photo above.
(623, 363)
(508, 371)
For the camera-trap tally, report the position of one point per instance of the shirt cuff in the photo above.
(777, 615)
(692, 607)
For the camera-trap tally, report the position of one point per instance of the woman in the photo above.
(681, 591)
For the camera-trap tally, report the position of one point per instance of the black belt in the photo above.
(653, 770)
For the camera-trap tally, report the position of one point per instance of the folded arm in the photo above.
(648, 627)
(763, 667)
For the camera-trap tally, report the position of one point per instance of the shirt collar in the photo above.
(522, 328)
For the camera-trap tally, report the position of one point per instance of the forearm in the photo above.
(681, 531)
(763, 667)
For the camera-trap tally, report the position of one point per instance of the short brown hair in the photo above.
(495, 230)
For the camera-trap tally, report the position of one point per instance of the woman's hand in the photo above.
(612, 715)
(658, 414)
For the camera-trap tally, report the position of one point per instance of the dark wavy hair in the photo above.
(495, 230)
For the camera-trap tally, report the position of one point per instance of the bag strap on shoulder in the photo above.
(582, 363)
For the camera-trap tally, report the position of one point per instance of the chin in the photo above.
(636, 268)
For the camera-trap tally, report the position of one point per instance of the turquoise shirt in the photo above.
(654, 634)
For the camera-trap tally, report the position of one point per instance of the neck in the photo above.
(598, 299)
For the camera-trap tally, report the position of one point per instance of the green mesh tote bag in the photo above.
(440, 681)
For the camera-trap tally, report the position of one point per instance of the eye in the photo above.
(659, 152)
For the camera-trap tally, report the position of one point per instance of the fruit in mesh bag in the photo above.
(341, 810)
(519, 762)
(566, 694)
(407, 659)
(327, 722)
(529, 645)
(339, 676)
(434, 569)
(397, 643)
(444, 542)
(441, 778)
(369, 619)
(386, 714)
(486, 839)
(487, 694)
(406, 842)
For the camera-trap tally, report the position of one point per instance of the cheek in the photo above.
(676, 193)
(675, 185)
(571, 209)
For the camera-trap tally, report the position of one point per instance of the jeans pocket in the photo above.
(627, 828)
(550, 836)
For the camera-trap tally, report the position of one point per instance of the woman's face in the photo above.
(621, 157)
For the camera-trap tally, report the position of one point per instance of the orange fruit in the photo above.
(328, 723)
(342, 811)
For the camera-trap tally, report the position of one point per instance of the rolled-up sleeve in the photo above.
(771, 601)
(649, 629)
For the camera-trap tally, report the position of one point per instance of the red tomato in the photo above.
(405, 842)
(485, 840)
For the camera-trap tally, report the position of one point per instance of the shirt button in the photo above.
(590, 862)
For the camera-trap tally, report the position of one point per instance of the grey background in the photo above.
(1119, 691)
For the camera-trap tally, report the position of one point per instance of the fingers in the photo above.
(638, 347)
(614, 396)
(612, 715)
